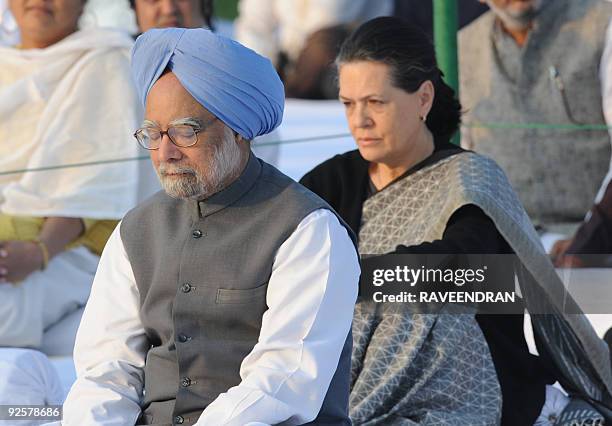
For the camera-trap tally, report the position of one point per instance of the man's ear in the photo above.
(241, 140)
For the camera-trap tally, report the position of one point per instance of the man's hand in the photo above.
(561, 258)
(569, 261)
(18, 259)
(559, 248)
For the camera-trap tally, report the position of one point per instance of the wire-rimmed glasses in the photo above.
(182, 135)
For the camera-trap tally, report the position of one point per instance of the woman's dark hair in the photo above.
(410, 55)
(206, 8)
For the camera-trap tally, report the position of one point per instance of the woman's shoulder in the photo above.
(338, 177)
(480, 163)
(93, 41)
(339, 165)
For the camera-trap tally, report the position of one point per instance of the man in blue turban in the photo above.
(227, 298)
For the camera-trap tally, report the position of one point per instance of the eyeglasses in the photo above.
(182, 136)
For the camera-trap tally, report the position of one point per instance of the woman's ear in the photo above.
(426, 94)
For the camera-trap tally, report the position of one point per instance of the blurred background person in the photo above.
(591, 245)
(114, 14)
(536, 64)
(302, 37)
(172, 13)
(65, 98)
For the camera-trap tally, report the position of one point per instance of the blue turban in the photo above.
(233, 82)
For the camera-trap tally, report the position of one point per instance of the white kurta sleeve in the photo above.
(311, 296)
(110, 347)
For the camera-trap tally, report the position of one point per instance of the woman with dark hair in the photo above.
(66, 99)
(408, 190)
(58, 107)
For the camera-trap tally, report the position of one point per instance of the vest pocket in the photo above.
(237, 296)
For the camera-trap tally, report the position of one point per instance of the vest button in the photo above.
(182, 338)
(185, 382)
(179, 420)
(196, 233)
(186, 288)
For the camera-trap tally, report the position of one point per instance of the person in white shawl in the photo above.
(65, 99)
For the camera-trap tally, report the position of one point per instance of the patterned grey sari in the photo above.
(435, 369)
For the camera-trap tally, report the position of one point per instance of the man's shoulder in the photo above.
(595, 13)
(156, 201)
(286, 191)
(581, 9)
(299, 198)
(480, 174)
(477, 29)
(272, 175)
(474, 42)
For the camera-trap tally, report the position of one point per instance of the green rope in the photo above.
(301, 140)
(73, 165)
(544, 126)
(578, 127)
(146, 157)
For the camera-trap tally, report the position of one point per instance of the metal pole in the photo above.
(445, 41)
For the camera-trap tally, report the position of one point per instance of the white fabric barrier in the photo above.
(28, 378)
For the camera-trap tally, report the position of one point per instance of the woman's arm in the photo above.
(18, 259)
(468, 231)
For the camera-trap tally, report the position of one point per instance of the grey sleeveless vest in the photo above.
(554, 80)
(202, 270)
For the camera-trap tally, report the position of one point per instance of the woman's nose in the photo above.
(362, 117)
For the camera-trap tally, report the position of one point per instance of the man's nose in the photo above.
(168, 152)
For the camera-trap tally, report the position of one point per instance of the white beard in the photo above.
(197, 183)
